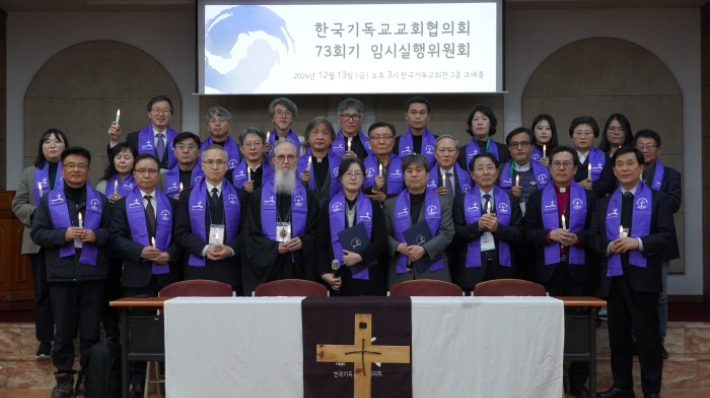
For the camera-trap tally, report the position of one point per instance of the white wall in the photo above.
(34, 38)
(673, 35)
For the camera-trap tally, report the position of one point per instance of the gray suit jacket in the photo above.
(434, 247)
(23, 204)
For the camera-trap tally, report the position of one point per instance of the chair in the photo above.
(191, 288)
(509, 287)
(425, 287)
(291, 288)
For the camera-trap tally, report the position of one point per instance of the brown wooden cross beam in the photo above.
(362, 354)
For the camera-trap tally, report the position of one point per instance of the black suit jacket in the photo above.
(671, 186)
(469, 277)
(137, 271)
(660, 239)
(607, 180)
(132, 140)
(228, 270)
(536, 234)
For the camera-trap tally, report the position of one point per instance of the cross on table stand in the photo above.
(368, 354)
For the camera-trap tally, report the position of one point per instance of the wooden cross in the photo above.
(362, 354)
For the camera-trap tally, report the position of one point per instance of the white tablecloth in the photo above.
(461, 347)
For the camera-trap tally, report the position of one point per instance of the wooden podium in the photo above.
(16, 287)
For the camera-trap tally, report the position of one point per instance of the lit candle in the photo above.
(115, 186)
(544, 150)
(310, 160)
(248, 173)
(118, 116)
(154, 242)
(564, 224)
(350, 142)
(81, 221)
(589, 171)
(621, 231)
(268, 135)
(39, 185)
(517, 180)
(180, 187)
(488, 210)
(443, 179)
(380, 168)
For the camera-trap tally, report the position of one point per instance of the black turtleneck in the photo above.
(52, 174)
(415, 203)
(77, 195)
(319, 170)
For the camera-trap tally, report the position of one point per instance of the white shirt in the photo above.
(522, 168)
(582, 156)
(165, 138)
(633, 192)
(152, 200)
(210, 187)
(483, 200)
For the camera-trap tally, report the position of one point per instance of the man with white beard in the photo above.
(281, 225)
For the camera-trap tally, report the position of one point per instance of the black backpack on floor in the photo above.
(102, 373)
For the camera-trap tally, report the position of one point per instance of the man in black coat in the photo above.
(633, 229)
(71, 225)
(556, 222)
(208, 221)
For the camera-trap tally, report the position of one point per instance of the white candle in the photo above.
(517, 180)
(544, 150)
(81, 222)
(443, 179)
(564, 224)
(589, 171)
(268, 135)
(621, 231)
(115, 186)
(489, 208)
(154, 242)
(248, 173)
(380, 169)
(310, 160)
(180, 187)
(350, 142)
(39, 185)
(118, 116)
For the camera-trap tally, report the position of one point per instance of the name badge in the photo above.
(487, 242)
(283, 232)
(522, 207)
(78, 244)
(216, 234)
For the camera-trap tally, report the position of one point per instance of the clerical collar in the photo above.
(156, 132)
(561, 189)
(210, 187)
(632, 190)
(522, 168)
(319, 160)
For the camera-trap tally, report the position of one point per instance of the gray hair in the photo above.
(251, 130)
(217, 148)
(283, 101)
(286, 141)
(416, 159)
(353, 103)
(219, 111)
(443, 137)
(316, 121)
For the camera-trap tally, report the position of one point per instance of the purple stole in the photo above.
(146, 143)
(123, 187)
(291, 136)
(240, 175)
(596, 158)
(640, 225)
(232, 148)
(403, 220)
(463, 179)
(42, 177)
(333, 164)
(472, 212)
(340, 145)
(197, 214)
(472, 149)
(395, 177)
(551, 220)
(61, 219)
(299, 210)
(139, 229)
(536, 153)
(658, 176)
(172, 179)
(337, 224)
(542, 175)
(406, 146)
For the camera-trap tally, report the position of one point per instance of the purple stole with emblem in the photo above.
(403, 220)
(542, 175)
(406, 145)
(658, 176)
(299, 211)
(172, 179)
(146, 143)
(596, 158)
(640, 225)
(472, 149)
(197, 214)
(337, 224)
(463, 179)
(123, 187)
(340, 145)
(240, 175)
(135, 211)
(536, 154)
(472, 211)
(291, 136)
(395, 177)
(551, 220)
(333, 164)
(42, 178)
(61, 219)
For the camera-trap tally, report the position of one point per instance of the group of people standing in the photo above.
(278, 205)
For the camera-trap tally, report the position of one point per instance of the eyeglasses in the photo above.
(52, 143)
(350, 176)
(149, 171)
(211, 162)
(381, 138)
(72, 166)
(350, 117)
(582, 133)
(182, 147)
(282, 158)
(283, 113)
(254, 144)
(522, 145)
(650, 147)
(489, 169)
(559, 165)
(159, 111)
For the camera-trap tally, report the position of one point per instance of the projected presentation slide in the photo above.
(351, 48)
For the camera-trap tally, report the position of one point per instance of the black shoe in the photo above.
(65, 385)
(617, 393)
(634, 351)
(664, 353)
(653, 395)
(579, 391)
(44, 351)
(137, 391)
